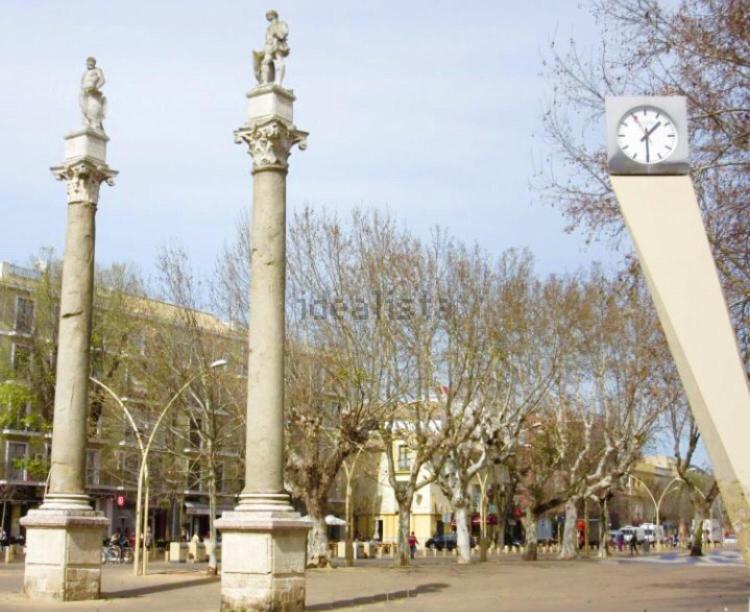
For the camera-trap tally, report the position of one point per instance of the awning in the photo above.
(334, 520)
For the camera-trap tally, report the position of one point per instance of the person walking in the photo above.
(413, 544)
(633, 544)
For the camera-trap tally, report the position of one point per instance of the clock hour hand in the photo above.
(648, 133)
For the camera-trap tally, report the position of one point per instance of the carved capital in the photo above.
(270, 143)
(83, 179)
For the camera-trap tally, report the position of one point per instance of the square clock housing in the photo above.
(647, 135)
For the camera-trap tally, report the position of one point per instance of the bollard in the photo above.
(166, 555)
(9, 553)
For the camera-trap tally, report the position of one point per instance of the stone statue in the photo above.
(92, 101)
(269, 63)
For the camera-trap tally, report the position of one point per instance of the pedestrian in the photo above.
(633, 544)
(413, 544)
(620, 540)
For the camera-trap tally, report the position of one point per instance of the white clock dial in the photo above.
(647, 135)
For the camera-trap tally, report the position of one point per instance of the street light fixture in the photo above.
(143, 471)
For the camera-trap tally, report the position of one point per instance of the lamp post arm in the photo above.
(141, 473)
(668, 488)
(122, 405)
(645, 486)
(166, 408)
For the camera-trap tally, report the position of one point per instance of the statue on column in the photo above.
(92, 101)
(269, 63)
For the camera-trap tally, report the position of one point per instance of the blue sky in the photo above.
(426, 109)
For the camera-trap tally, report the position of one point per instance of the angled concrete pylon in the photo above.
(662, 213)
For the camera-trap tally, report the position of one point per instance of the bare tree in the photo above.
(699, 49)
(183, 348)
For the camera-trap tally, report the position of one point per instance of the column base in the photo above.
(263, 559)
(63, 552)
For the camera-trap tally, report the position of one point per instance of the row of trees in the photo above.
(548, 389)
(545, 390)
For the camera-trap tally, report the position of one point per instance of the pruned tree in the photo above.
(185, 346)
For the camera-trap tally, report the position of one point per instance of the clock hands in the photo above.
(647, 137)
(648, 133)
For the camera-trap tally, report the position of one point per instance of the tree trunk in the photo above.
(696, 546)
(404, 520)
(531, 535)
(484, 541)
(570, 531)
(212, 563)
(586, 526)
(349, 524)
(463, 540)
(604, 528)
(317, 541)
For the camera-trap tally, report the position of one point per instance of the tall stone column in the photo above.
(63, 537)
(264, 539)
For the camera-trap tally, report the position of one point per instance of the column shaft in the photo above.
(69, 431)
(264, 468)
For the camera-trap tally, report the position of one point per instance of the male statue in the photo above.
(269, 63)
(93, 103)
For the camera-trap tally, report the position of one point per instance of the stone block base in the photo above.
(63, 554)
(263, 561)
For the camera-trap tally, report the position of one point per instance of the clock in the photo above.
(647, 135)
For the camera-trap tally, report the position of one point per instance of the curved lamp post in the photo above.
(141, 521)
(657, 503)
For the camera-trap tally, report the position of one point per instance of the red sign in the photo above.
(120, 501)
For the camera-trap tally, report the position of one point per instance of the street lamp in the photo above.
(657, 503)
(145, 449)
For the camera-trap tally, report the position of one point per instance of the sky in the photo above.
(427, 109)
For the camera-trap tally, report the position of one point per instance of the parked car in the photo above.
(439, 541)
(629, 531)
(650, 533)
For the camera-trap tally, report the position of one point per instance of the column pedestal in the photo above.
(63, 558)
(263, 561)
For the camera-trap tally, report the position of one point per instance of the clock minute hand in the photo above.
(648, 133)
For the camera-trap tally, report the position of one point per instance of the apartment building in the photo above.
(180, 480)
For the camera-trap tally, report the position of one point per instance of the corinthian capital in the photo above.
(270, 143)
(83, 179)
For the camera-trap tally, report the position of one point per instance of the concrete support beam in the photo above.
(664, 220)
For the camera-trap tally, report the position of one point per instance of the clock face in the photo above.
(647, 135)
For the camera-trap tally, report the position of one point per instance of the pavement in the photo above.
(668, 582)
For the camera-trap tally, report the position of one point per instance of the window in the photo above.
(403, 457)
(196, 425)
(20, 358)
(15, 461)
(24, 315)
(139, 343)
(195, 483)
(95, 417)
(19, 418)
(92, 467)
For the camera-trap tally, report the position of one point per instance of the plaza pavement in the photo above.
(669, 582)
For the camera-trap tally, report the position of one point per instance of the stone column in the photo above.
(264, 539)
(63, 537)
